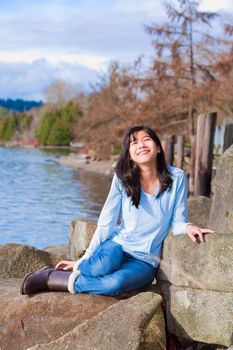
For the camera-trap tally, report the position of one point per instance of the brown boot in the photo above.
(35, 282)
(58, 280)
(44, 280)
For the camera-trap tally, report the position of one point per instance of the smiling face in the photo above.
(142, 148)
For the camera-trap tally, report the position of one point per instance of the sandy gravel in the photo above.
(105, 167)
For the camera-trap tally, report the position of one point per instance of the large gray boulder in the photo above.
(221, 213)
(196, 281)
(199, 210)
(205, 266)
(199, 315)
(135, 323)
(16, 259)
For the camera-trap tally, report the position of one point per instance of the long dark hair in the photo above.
(129, 173)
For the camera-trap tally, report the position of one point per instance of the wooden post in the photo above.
(204, 153)
(180, 151)
(228, 133)
(164, 145)
(169, 149)
(192, 163)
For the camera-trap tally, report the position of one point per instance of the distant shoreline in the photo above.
(74, 160)
(103, 167)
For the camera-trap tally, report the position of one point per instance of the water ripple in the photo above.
(39, 198)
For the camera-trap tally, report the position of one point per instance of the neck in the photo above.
(148, 172)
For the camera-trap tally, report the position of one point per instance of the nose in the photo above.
(140, 144)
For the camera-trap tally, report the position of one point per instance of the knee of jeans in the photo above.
(103, 263)
(106, 265)
(103, 266)
(112, 249)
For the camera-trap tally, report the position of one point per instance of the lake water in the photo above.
(39, 197)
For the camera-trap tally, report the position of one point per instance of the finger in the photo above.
(60, 264)
(207, 230)
(200, 234)
(57, 267)
(66, 267)
(192, 237)
(197, 234)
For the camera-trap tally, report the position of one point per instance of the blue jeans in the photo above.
(110, 271)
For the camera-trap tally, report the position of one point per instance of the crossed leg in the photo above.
(110, 271)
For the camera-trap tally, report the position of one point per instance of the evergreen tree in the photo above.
(46, 124)
(57, 124)
(11, 125)
(19, 105)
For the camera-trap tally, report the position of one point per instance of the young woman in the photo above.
(148, 197)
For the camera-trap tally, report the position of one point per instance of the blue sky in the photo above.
(73, 40)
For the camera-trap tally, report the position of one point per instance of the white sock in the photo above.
(71, 281)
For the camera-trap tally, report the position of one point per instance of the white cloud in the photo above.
(29, 56)
(148, 8)
(216, 5)
(68, 39)
(53, 28)
(29, 80)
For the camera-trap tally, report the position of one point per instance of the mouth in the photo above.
(143, 152)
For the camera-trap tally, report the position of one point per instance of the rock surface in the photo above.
(204, 316)
(221, 213)
(206, 266)
(135, 323)
(60, 250)
(199, 210)
(27, 321)
(196, 280)
(16, 259)
(81, 232)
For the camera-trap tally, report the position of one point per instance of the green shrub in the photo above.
(10, 123)
(56, 125)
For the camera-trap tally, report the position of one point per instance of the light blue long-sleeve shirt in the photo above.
(142, 230)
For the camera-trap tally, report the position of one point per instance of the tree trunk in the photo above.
(180, 151)
(169, 149)
(204, 153)
(192, 163)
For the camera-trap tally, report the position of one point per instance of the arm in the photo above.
(180, 211)
(107, 220)
(180, 222)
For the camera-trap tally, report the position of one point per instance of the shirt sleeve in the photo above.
(180, 212)
(107, 220)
